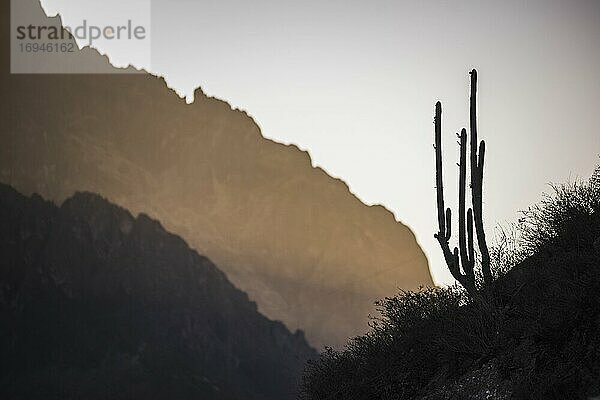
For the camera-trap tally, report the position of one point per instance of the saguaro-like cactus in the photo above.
(464, 255)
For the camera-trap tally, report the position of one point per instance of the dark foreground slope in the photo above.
(97, 304)
(536, 335)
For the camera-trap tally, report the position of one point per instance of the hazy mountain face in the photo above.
(304, 248)
(97, 304)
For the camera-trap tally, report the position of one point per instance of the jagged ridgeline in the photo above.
(296, 240)
(97, 304)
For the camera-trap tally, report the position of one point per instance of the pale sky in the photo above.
(355, 84)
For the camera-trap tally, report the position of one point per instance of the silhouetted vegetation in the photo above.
(536, 335)
(532, 333)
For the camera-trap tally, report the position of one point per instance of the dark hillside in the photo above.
(98, 304)
(534, 334)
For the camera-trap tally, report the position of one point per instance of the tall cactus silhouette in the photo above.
(464, 255)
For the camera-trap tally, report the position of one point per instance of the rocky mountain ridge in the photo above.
(295, 239)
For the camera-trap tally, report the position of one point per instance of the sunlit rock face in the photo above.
(96, 303)
(295, 239)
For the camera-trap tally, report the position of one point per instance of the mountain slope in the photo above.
(97, 304)
(295, 239)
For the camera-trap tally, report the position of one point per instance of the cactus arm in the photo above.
(448, 224)
(462, 184)
(470, 236)
(439, 182)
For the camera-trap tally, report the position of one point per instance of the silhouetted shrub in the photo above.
(537, 330)
(506, 252)
(562, 219)
(399, 352)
